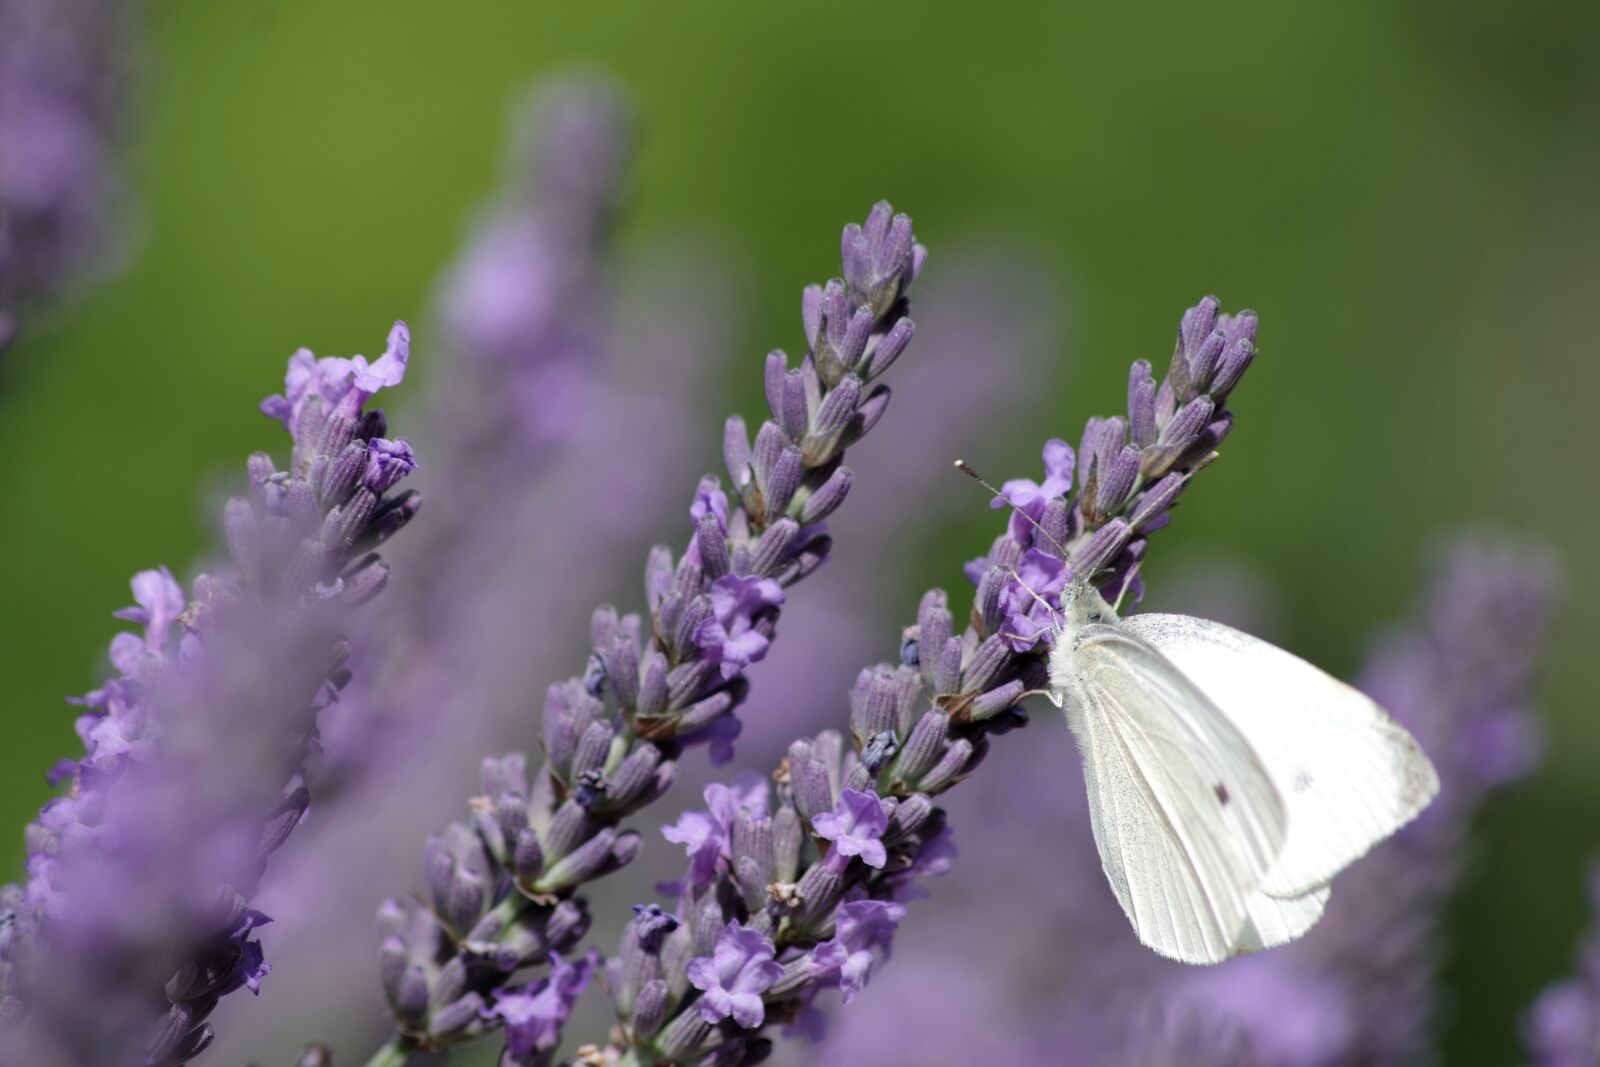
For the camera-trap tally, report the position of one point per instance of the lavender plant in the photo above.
(503, 890)
(778, 906)
(136, 918)
(63, 92)
(1563, 1028)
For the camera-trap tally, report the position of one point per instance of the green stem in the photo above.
(394, 1054)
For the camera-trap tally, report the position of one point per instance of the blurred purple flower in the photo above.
(136, 918)
(1563, 1027)
(64, 92)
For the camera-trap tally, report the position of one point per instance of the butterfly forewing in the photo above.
(1187, 819)
(1349, 774)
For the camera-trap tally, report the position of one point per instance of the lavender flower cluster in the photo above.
(502, 889)
(778, 906)
(136, 918)
(63, 74)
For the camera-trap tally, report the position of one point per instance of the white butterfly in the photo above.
(1229, 780)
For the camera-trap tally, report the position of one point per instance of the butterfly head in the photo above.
(1082, 605)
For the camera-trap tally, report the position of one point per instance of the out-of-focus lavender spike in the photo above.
(1562, 1029)
(65, 70)
(508, 416)
(136, 919)
(712, 623)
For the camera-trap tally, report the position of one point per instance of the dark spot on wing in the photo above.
(1302, 782)
(1222, 793)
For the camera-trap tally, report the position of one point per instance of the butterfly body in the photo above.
(1228, 780)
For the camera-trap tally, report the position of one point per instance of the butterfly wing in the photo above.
(1275, 921)
(1185, 816)
(1349, 774)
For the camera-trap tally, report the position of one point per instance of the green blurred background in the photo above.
(1407, 193)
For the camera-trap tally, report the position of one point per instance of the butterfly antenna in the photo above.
(965, 468)
(1133, 573)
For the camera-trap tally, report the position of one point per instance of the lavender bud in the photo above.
(947, 672)
(820, 888)
(793, 416)
(1141, 404)
(1155, 501)
(826, 500)
(949, 767)
(775, 377)
(889, 348)
(653, 688)
(410, 1001)
(1101, 548)
(769, 445)
(772, 551)
(811, 312)
(783, 482)
(713, 547)
(995, 701)
(567, 925)
(570, 826)
(634, 775)
(871, 704)
(868, 412)
(593, 748)
(1117, 481)
(736, 451)
(683, 1036)
(650, 1008)
(657, 574)
(752, 886)
(788, 835)
(924, 747)
(909, 817)
(582, 864)
(527, 858)
(813, 792)
(752, 839)
(455, 1018)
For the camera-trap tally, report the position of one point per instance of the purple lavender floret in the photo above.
(1563, 1027)
(64, 73)
(830, 900)
(854, 828)
(731, 980)
(136, 916)
(503, 890)
(534, 1014)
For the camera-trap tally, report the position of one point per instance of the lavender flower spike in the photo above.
(136, 918)
(64, 69)
(830, 902)
(503, 890)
